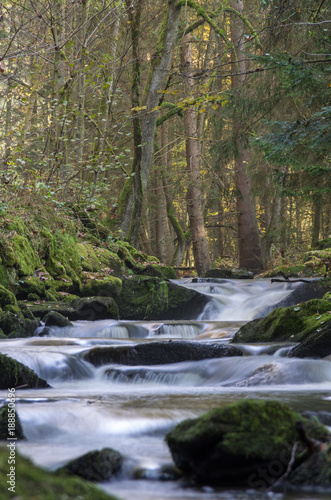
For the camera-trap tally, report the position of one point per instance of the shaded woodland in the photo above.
(199, 130)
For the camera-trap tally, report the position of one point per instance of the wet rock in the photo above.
(159, 353)
(152, 298)
(92, 308)
(159, 271)
(286, 324)
(317, 345)
(10, 423)
(14, 325)
(54, 318)
(242, 443)
(314, 474)
(229, 273)
(98, 466)
(14, 374)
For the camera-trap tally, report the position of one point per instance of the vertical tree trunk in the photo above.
(317, 212)
(194, 191)
(250, 255)
(129, 214)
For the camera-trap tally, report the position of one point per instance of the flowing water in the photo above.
(131, 408)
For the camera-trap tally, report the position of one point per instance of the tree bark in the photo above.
(194, 191)
(250, 255)
(129, 203)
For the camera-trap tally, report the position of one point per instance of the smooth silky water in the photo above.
(131, 408)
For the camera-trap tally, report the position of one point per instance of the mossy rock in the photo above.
(93, 308)
(314, 474)
(96, 259)
(229, 445)
(8, 415)
(322, 244)
(159, 271)
(54, 318)
(33, 482)
(226, 273)
(293, 323)
(289, 271)
(26, 257)
(14, 374)
(125, 255)
(108, 286)
(98, 466)
(65, 283)
(316, 345)
(152, 298)
(6, 297)
(29, 285)
(14, 325)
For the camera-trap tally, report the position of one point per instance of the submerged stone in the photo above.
(96, 466)
(159, 353)
(242, 443)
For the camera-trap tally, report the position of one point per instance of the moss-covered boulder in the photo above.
(14, 374)
(93, 308)
(159, 271)
(152, 298)
(10, 423)
(98, 466)
(97, 259)
(293, 323)
(28, 481)
(107, 286)
(237, 443)
(54, 318)
(155, 353)
(316, 345)
(6, 297)
(13, 324)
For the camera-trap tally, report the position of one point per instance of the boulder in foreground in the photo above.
(239, 443)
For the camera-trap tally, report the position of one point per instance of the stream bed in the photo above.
(131, 408)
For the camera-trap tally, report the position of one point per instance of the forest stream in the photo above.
(131, 408)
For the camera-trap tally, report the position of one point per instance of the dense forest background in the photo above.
(199, 130)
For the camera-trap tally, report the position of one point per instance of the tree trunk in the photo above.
(194, 191)
(129, 212)
(250, 255)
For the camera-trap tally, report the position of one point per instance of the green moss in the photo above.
(14, 374)
(237, 438)
(95, 259)
(26, 258)
(6, 297)
(286, 323)
(8, 416)
(107, 287)
(34, 482)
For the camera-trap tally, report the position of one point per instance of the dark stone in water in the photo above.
(14, 374)
(229, 273)
(159, 353)
(249, 443)
(54, 318)
(317, 345)
(98, 466)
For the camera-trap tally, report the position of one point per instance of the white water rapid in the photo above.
(131, 408)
